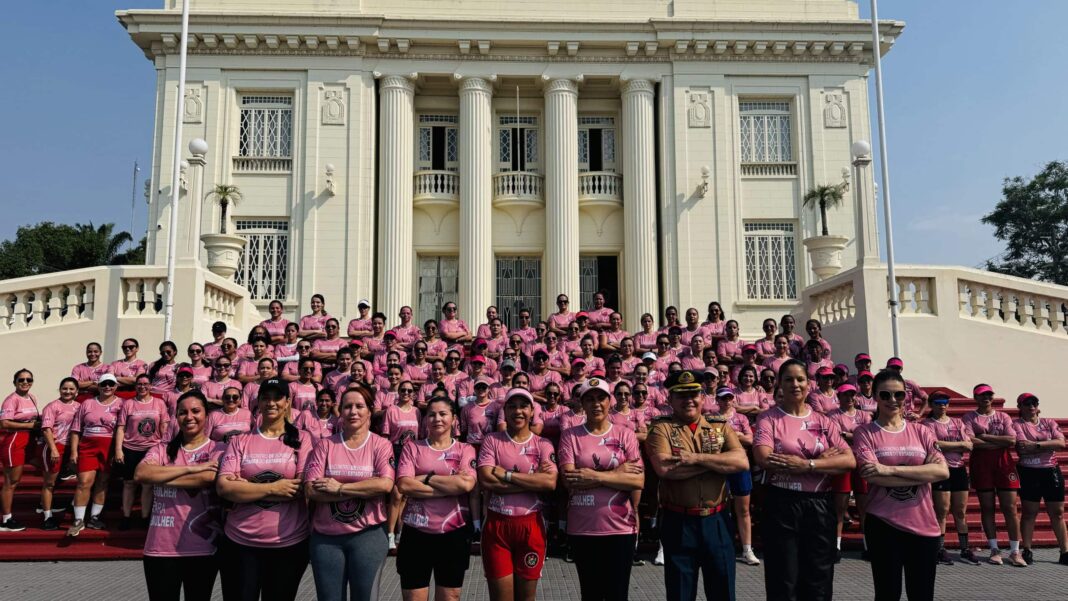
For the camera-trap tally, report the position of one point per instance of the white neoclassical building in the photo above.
(491, 152)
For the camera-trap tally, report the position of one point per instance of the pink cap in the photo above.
(521, 393)
(842, 367)
(824, 371)
(582, 314)
(184, 371)
(355, 342)
(862, 357)
(865, 374)
(982, 389)
(578, 360)
(478, 341)
(1026, 397)
(482, 380)
(844, 388)
(389, 333)
(478, 359)
(749, 348)
(592, 384)
(895, 362)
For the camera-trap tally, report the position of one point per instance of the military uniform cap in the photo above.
(683, 380)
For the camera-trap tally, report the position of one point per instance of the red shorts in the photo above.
(849, 482)
(13, 448)
(94, 453)
(993, 469)
(513, 545)
(53, 467)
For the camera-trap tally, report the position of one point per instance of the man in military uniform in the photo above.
(693, 455)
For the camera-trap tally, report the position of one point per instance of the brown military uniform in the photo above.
(668, 436)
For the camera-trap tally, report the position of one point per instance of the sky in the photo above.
(974, 93)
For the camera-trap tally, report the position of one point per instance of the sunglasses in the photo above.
(450, 309)
(102, 384)
(552, 394)
(222, 365)
(25, 380)
(129, 347)
(231, 397)
(308, 368)
(641, 393)
(886, 395)
(303, 348)
(562, 301)
(406, 391)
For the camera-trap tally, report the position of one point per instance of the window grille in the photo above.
(520, 120)
(770, 263)
(589, 281)
(765, 132)
(438, 284)
(264, 265)
(608, 121)
(518, 287)
(437, 119)
(266, 127)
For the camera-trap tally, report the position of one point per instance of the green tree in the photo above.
(47, 247)
(825, 197)
(1032, 219)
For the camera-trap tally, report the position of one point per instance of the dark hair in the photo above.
(783, 336)
(14, 378)
(275, 302)
(361, 390)
(717, 305)
(327, 392)
(814, 321)
(345, 350)
(442, 399)
(291, 437)
(745, 368)
(142, 375)
(430, 321)
(291, 325)
(176, 442)
(885, 376)
(788, 364)
(320, 297)
(133, 340)
(159, 363)
(96, 344)
(379, 315)
(61, 382)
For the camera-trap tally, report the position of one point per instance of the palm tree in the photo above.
(826, 197)
(100, 244)
(225, 194)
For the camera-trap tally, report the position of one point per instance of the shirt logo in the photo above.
(902, 493)
(347, 511)
(264, 478)
(146, 427)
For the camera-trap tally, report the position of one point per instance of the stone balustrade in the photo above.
(517, 185)
(600, 186)
(436, 185)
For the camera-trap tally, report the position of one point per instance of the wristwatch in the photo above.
(811, 465)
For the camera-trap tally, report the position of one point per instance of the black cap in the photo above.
(275, 386)
(219, 326)
(684, 380)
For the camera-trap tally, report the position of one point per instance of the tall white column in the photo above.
(395, 169)
(639, 203)
(476, 202)
(561, 194)
(189, 224)
(867, 242)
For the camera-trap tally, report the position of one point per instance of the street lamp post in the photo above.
(867, 235)
(172, 234)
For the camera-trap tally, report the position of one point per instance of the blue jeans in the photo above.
(695, 544)
(355, 560)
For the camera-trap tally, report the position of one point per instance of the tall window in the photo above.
(264, 265)
(518, 287)
(438, 143)
(770, 265)
(438, 284)
(266, 126)
(597, 144)
(765, 134)
(517, 144)
(598, 273)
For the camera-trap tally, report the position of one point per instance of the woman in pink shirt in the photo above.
(954, 439)
(407, 333)
(865, 400)
(801, 450)
(91, 444)
(161, 371)
(613, 334)
(602, 469)
(671, 320)
(88, 372)
(186, 514)
(400, 424)
(797, 343)
(766, 345)
(848, 418)
(824, 399)
(276, 325)
(360, 327)
(645, 340)
(814, 329)
(18, 418)
(232, 419)
(714, 327)
(142, 424)
(437, 475)
(348, 477)
(56, 418)
(780, 355)
(740, 483)
(127, 368)
(563, 317)
(219, 382)
(288, 346)
(302, 392)
(265, 542)
(749, 399)
(291, 364)
(899, 459)
(199, 363)
(1038, 439)
(452, 329)
(729, 349)
(479, 417)
(484, 329)
(321, 420)
(324, 350)
(435, 346)
(247, 368)
(312, 325)
(515, 467)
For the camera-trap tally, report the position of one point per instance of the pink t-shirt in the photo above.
(847, 422)
(328, 345)
(19, 408)
(314, 322)
(550, 419)
(950, 430)
(184, 522)
(302, 396)
(1045, 429)
(600, 317)
(400, 426)
(602, 510)
(539, 382)
(452, 327)
(907, 508)
(774, 363)
(712, 330)
(315, 426)
(754, 398)
(360, 325)
(534, 455)
(569, 419)
(275, 328)
(164, 379)
(124, 369)
(476, 421)
(631, 420)
(82, 372)
(223, 426)
(214, 389)
(561, 320)
(259, 459)
(995, 424)
(141, 421)
(865, 403)
(436, 515)
(332, 458)
(58, 416)
(93, 419)
(823, 403)
(804, 436)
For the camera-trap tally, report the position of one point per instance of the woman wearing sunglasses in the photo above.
(142, 424)
(91, 438)
(1038, 439)
(199, 363)
(899, 459)
(993, 471)
(452, 329)
(400, 424)
(232, 420)
(127, 368)
(162, 370)
(563, 317)
(324, 350)
(220, 380)
(18, 418)
(950, 495)
(304, 390)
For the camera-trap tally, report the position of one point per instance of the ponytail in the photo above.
(159, 363)
(291, 437)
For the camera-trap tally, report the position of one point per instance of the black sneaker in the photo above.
(567, 554)
(635, 561)
(943, 557)
(838, 556)
(11, 525)
(51, 523)
(124, 523)
(968, 556)
(865, 555)
(1064, 559)
(1028, 556)
(95, 523)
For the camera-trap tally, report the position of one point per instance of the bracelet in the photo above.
(508, 476)
(427, 479)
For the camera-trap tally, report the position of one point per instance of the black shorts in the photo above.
(1038, 483)
(130, 459)
(956, 482)
(447, 556)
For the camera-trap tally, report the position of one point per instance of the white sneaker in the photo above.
(392, 542)
(750, 558)
(659, 561)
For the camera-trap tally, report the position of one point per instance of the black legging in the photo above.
(167, 577)
(603, 564)
(274, 571)
(798, 530)
(892, 551)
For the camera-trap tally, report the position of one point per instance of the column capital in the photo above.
(397, 82)
(475, 84)
(560, 85)
(638, 86)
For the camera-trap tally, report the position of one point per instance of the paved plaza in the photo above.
(124, 581)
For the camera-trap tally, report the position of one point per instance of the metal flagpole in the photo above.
(172, 237)
(885, 164)
(133, 204)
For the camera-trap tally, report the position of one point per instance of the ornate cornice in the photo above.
(396, 82)
(638, 86)
(560, 86)
(472, 85)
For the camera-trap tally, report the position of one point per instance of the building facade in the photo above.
(488, 152)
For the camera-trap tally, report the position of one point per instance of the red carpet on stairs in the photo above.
(34, 544)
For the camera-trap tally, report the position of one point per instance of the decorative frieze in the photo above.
(333, 107)
(193, 107)
(698, 109)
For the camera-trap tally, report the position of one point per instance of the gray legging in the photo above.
(353, 559)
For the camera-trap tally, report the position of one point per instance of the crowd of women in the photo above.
(299, 446)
